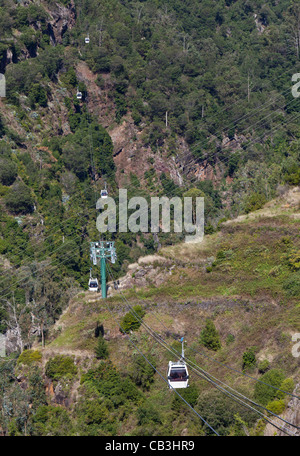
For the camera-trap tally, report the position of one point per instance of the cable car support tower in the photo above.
(100, 252)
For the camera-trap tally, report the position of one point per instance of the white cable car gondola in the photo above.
(87, 39)
(93, 283)
(178, 376)
(78, 95)
(104, 193)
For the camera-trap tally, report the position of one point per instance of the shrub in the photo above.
(220, 411)
(101, 350)
(92, 412)
(132, 320)
(210, 337)
(60, 366)
(50, 420)
(292, 284)
(254, 202)
(38, 95)
(294, 260)
(19, 200)
(230, 339)
(109, 383)
(143, 372)
(189, 394)
(292, 176)
(265, 393)
(249, 359)
(263, 366)
(148, 415)
(287, 385)
(277, 406)
(29, 357)
(69, 78)
(8, 172)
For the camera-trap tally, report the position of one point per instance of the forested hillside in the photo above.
(178, 99)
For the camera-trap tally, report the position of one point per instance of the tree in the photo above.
(132, 320)
(254, 202)
(51, 420)
(8, 171)
(19, 199)
(38, 95)
(101, 349)
(60, 366)
(210, 337)
(142, 372)
(190, 395)
(15, 312)
(265, 393)
(294, 24)
(249, 359)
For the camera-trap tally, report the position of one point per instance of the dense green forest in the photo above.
(203, 84)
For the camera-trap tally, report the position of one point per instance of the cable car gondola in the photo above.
(93, 283)
(178, 376)
(78, 95)
(104, 192)
(87, 39)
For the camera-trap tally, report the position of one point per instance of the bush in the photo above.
(292, 284)
(101, 350)
(29, 357)
(38, 95)
(189, 394)
(109, 383)
(220, 412)
(265, 393)
(132, 320)
(60, 366)
(287, 385)
(277, 406)
(292, 176)
(143, 372)
(294, 260)
(148, 415)
(254, 202)
(51, 421)
(263, 366)
(8, 172)
(230, 339)
(19, 200)
(210, 337)
(249, 359)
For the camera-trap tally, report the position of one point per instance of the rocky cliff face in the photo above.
(62, 18)
(291, 414)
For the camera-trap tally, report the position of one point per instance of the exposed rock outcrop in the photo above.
(63, 18)
(291, 414)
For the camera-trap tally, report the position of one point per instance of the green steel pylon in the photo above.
(100, 251)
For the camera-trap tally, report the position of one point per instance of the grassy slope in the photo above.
(243, 294)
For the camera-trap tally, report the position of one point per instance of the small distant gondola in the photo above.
(104, 192)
